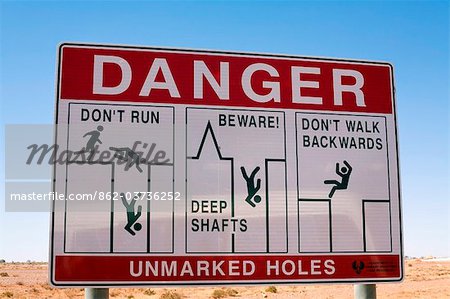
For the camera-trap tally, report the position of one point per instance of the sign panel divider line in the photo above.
(364, 201)
(330, 234)
(149, 179)
(111, 234)
(389, 183)
(266, 174)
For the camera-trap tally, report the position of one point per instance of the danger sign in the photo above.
(198, 167)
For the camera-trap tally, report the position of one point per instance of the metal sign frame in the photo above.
(294, 126)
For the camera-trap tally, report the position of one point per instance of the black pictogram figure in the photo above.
(344, 173)
(92, 141)
(358, 266)
(251, 188)
(128, 155)
(132, 216)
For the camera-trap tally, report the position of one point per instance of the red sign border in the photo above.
(52, 257)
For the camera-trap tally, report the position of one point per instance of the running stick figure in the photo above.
(132, 217)
(344, 173)
(251, 189)
(127, 154)
(91, 143)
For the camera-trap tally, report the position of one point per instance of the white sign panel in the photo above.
(196, 167)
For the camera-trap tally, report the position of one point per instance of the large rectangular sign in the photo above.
(186, 167)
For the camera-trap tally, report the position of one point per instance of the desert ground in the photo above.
(425, 278)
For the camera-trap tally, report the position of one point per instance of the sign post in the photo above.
(96, 293)
(186, 167)
(365, 291)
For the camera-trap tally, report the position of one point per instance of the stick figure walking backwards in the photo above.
(132, 216)
(344, 173)
(251, 189)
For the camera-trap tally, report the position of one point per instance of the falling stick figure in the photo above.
(127, 154)
(251, 189)
(93, 139)
(344, 173)
(132, 216)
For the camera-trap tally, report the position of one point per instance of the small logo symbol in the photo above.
(358, 266)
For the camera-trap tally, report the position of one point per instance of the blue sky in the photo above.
(413, 36)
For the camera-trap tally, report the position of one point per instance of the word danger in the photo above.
(160, 76)
(230, 268)
(249, 121)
